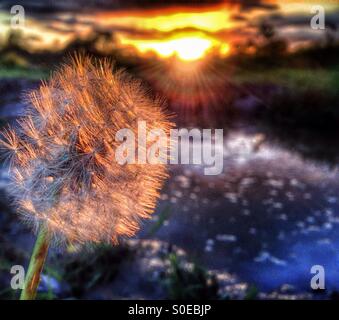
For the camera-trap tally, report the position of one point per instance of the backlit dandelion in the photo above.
(66, 178)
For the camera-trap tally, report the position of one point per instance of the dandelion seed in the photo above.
(66, 180)
(65, 175)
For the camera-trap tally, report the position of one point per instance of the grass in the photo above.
(295, 79)
(23, 72)
(193, 283)
(307, 98)
(163, 216)
(83, 272)
(302, 113)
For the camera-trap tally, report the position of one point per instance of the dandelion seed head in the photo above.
(62, 154)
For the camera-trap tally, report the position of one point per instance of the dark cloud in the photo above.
(52, 6)
(254, 4)
(332, 19)
(238, 17)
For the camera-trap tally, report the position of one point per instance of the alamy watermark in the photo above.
(18, 278)
(179, 146)
(17, 16)
(318, 280)
(318, 20)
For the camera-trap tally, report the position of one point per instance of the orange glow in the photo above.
(212, 20)
(224, 49)
(208, 21)
(186, 33)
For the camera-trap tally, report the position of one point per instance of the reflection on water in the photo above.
(268, 217)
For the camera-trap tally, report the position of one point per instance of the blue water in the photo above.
(268, 218)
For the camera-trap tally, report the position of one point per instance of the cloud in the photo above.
(51, 6)
(254, 4)
(279, 20)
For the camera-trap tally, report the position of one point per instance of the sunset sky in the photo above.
(173, 29)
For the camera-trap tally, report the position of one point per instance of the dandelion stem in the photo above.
(36, 264)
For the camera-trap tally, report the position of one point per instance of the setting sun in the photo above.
(186, 48)
(189, 35)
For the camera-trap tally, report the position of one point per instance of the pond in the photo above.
(268, 218)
